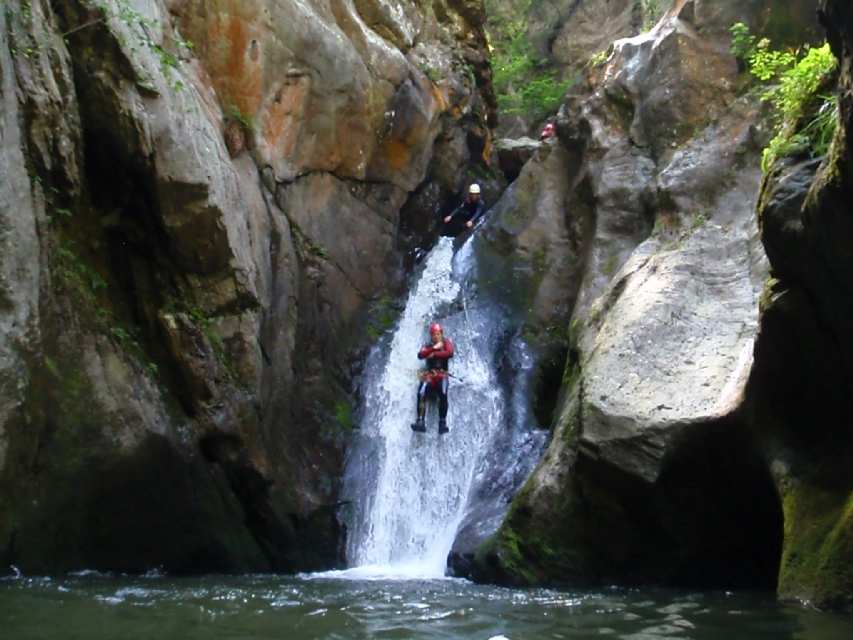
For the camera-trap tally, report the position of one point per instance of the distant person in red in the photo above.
(548, 132)
(434, 377)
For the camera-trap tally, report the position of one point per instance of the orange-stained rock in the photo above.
(231, 49)
(322, 82)
(285, 115)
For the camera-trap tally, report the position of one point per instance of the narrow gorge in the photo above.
(220, 251)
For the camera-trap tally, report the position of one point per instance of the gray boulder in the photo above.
(652, 474)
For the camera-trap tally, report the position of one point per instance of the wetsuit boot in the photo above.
(442, 407)
(419, 425)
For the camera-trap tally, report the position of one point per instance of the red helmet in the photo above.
(435, 328)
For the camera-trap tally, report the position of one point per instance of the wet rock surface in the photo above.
(191, 236)
(800, 387)
(652, 471)
(701, 434)
(572, 37)
(203, 200)
(513, 154)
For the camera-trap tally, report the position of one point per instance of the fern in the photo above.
(805, 118)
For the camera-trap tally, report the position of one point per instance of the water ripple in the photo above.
(96, 607)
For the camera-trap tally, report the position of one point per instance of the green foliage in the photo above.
(26, 10)
(699, 220)
(524, 84)
(305, 246)
(821, 129)
(799, 84)
(610, 265)
(141, 28)
(743, 42)
(767, 64)
(768, 293)
(542, 94)
(382, 316)
(22, 41)
(120, 333)
(430, 72)
(77, 273)
(482, 172)
(763, 62)
(234, 113)
(343, 414)
(84, 281)
(130, 342)
(805, 117)
(598, 59)
(205, 323)
(652, 12)
(319, 251)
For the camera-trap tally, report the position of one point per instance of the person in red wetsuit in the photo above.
(434, 377)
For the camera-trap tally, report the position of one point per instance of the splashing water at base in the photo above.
(409, 490)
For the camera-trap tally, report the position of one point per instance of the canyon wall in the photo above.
(203, 206)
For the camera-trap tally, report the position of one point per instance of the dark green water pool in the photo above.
(94, 606)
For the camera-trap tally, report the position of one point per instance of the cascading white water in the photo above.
(407, 513)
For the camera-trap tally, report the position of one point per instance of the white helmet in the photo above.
(474, 188)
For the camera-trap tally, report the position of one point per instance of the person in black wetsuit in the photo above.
(466, 215)
(434, 377)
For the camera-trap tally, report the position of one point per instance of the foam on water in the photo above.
(381, 573)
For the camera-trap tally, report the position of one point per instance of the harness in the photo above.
(433, 376)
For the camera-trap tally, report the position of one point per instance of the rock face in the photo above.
(513, 154)
(801, 385)
(569, 36)
(651, 286)
(702, 431)
(200, 200)
(570, 32)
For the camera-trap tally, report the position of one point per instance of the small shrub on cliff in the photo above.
(743, 42)
(140, 28)
(598, 59)
(797, 85)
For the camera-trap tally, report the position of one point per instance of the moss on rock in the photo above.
(527, 551)
(78, 495)
(817, 559)
(543, 538)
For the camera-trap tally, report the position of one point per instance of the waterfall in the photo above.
(408, 491)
